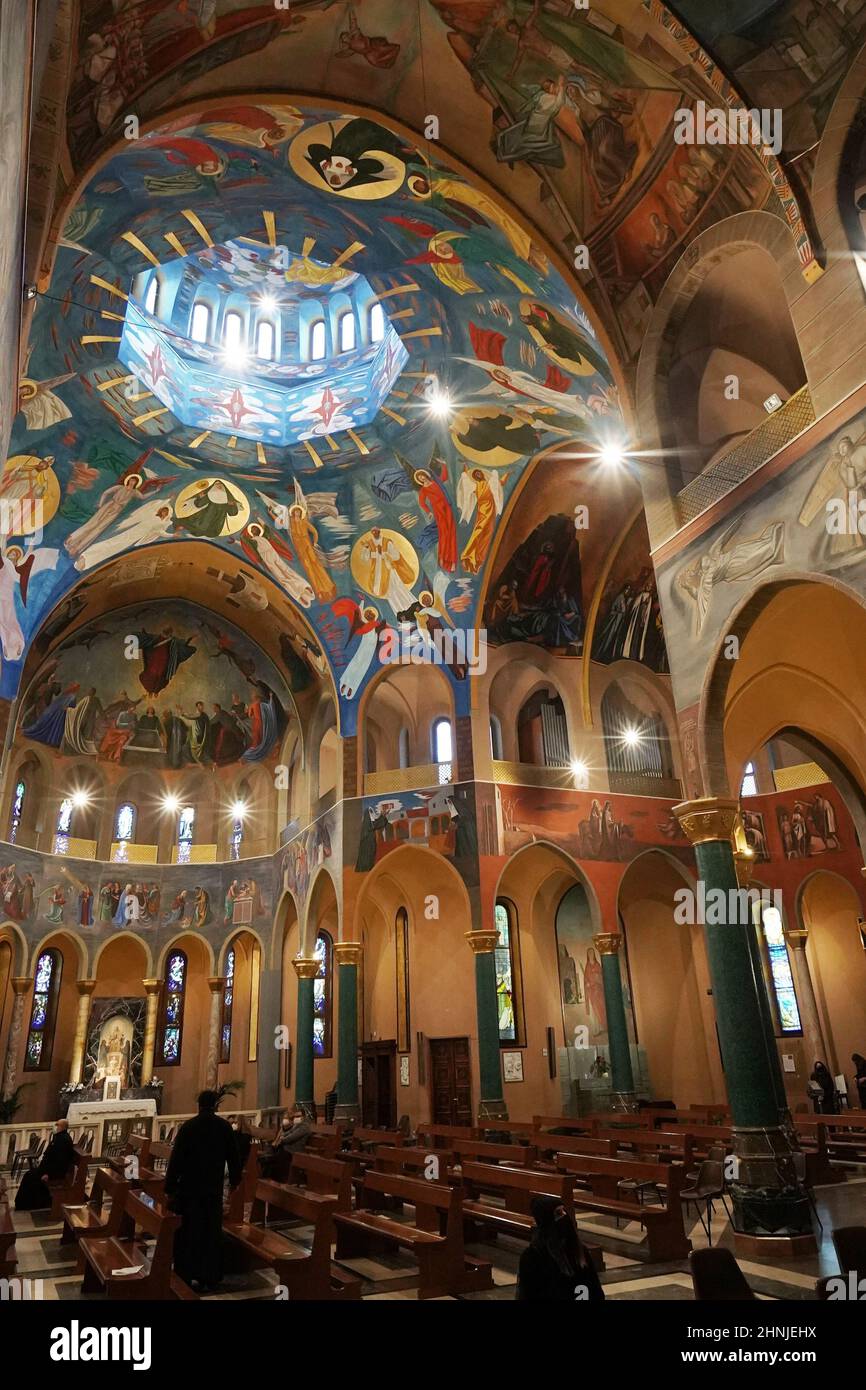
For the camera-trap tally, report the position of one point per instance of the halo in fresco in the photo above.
(29, 494)
(384, 563)
(210, 508)
(352, 158)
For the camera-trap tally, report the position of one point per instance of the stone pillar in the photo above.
(76, 1066)
(350, 766)
(796, 938)
(216, 985)
(621, 1076)
(348, 955)
(306, 970)
(152, 989)
(744, 865)
(771, 1210)
(464, 758)
(20, 988)
(491, 1106)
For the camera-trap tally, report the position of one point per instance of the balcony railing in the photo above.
(746, 457)
(407, 779)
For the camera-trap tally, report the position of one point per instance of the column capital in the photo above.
(481, 942)
(708, 818)
(607, 943)
(348, 952)
(152, 986)
(306, 969)
(797, 936)
(85, 986)
(21, 984)
(215, 983)
(744, 863)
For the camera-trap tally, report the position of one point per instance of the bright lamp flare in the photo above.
(80, 798)
(238, 810)
(170, 804)
(439, 403)
(632, 736)
(579, 770)
(611, 454)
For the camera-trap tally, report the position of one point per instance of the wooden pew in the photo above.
(440, 1136)
(102, 1255)
(70, 1190)
(567, 1123)
(89, 1218)
(8, 1256)
(662, 1143)
(521, 1131)
(518, 1155)
(310, 1173)
(516, 1187)
(435, 1241)
(665, 1231)
(413, 1162)
(308, 1275)
(327, 1140)
(552, 1144)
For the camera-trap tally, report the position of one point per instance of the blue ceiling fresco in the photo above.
(381, 502)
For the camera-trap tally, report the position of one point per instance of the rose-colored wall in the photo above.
(837, 963)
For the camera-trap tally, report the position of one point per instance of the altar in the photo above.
(89, 1112)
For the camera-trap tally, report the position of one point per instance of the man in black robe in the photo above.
(34, 1194)
(204, 1147)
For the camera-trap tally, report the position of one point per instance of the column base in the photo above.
(775, 1247)
(350, 1111)
(492, 1110)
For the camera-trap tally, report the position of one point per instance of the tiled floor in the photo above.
(627, 1275)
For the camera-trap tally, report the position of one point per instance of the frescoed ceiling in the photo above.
(361, 526)
(568, 112)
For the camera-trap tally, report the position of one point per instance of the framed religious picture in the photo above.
(404, 1070)
(111, 1088)
(512, 1066)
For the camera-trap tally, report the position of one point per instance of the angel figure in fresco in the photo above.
(261, 544)
(434, 500)
(150, 522)
(389, 573)
(39, 403)
(305, 540)
(366, 624)
(378, 52)
(112, 502)
(843, 478)
(16, 573)
(479, 494)
(725, 563)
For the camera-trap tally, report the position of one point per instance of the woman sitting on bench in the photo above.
(34, 1193)
(554, 1267)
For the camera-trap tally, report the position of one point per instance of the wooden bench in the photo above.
(310, 1173)
(670, 1144)
(68, 1189)
(665, 1231)
(327, 1140)
(103, 1255)
(567, 1123)
(308, 1275)
(8, 1256)
(440, 1136)
(89, 1218)
(518, 1155)
(413, 1161)
(435, 1241)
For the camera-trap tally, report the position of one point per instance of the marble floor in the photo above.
(626, 1276)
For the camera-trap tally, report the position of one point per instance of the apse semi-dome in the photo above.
(261, 342)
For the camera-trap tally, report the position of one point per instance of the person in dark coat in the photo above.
(34, 1193)
(823, 1099)
(204, 1147)
(860, 1077)
(291, 1138)
(554, 1267)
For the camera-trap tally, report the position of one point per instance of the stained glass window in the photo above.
(124, 828)
(322, 994)
(749, 785)
(40, 1035)
(228, 1003)
(185, 828)
(174, 991)
(64, 822)
(237, 837)
(17, 809)
(780, 971)
(504, 962)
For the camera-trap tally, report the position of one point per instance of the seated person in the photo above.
(34, 1193)
(554, 1267)
(291, 1138)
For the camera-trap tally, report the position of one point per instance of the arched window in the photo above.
(173, 996)
(237, 837)
(43, 1014)
(228, 1005)
(318, 340)
(322, 996)
(346, 327)
(233, 328)
(749, 786)
(151, 298)
(403, 747)
(62, 828)
(17, 809)
(507, 965)
(377, 323)
(124, 829)
(185, 830)
(495, 738)
(200, 327)
(442, 741)
(783, 993)
(265, 340)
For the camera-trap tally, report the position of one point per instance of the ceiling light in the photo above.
(171, 804)
(439, 402)
(580, 772)
(268, 303)
(80, 798)
(632, 736)
(611, 454)
(238, 810)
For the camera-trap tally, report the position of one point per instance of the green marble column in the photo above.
(304, 1091)
(348, 955)
(767, 1199)
(621, 1076)
(492, 1103)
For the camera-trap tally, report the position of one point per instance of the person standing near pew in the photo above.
(822, 1089)
(205, 1146)
(554, 1267)
(59, 1157)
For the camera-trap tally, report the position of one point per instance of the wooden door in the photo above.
(379, 1084)
(450, 1081)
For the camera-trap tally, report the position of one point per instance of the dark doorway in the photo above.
(379, 1084)
(450, 1081)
